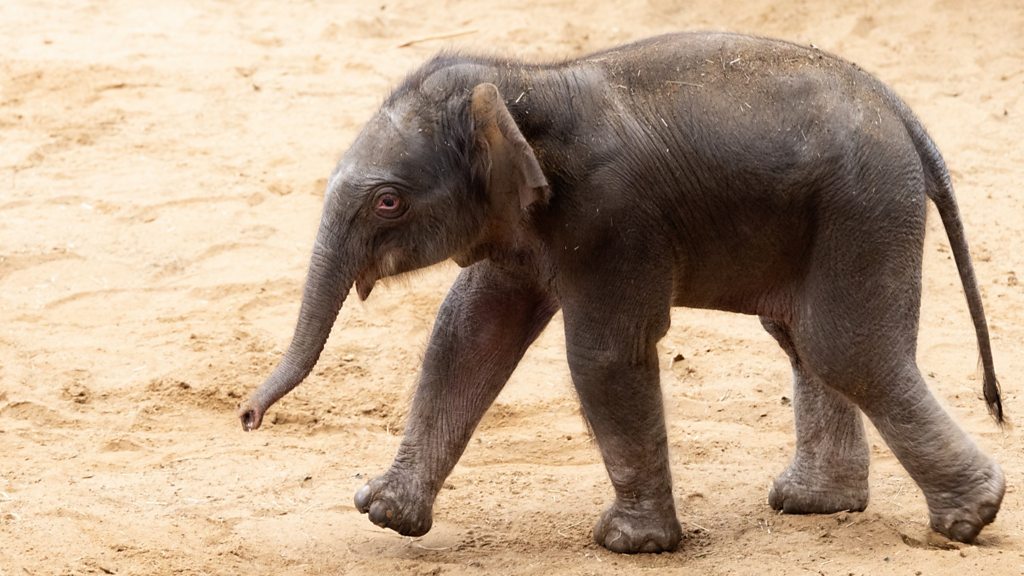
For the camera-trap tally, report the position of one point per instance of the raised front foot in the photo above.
(393, 502)
(631, 530)
(961, 511)
(799, 490)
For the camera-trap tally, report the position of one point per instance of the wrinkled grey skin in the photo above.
(702, 170)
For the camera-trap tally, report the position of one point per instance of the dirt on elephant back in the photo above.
(161, 176)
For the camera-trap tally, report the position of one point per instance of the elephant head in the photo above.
(441, 171)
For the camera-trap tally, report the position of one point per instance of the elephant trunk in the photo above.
(330, 277)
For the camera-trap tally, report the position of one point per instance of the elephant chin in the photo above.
(392, 263)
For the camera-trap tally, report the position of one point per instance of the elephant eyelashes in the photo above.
(388, 204)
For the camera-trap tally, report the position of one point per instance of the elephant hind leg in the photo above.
(829, 471)
(962, 485)
(853, 325)
(867, 354)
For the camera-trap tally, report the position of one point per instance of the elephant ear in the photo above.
(510, 159)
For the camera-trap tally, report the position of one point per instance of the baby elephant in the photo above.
(703, 170)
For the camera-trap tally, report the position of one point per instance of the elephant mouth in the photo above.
(365, 281)
(388, 264)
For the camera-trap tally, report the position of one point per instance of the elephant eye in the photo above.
(387, 203)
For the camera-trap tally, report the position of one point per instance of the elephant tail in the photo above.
(939, 188)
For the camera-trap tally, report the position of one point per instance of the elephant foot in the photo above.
(961, 513)
(392, 502)
(800, 491)
(632, 530)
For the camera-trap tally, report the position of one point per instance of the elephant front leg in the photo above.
(614, 368)
(488, 320)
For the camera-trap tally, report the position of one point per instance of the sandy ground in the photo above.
(161, 175)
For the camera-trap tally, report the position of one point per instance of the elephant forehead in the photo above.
(382, 138)
(391, 147)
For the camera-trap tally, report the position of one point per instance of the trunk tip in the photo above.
(251, 417)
